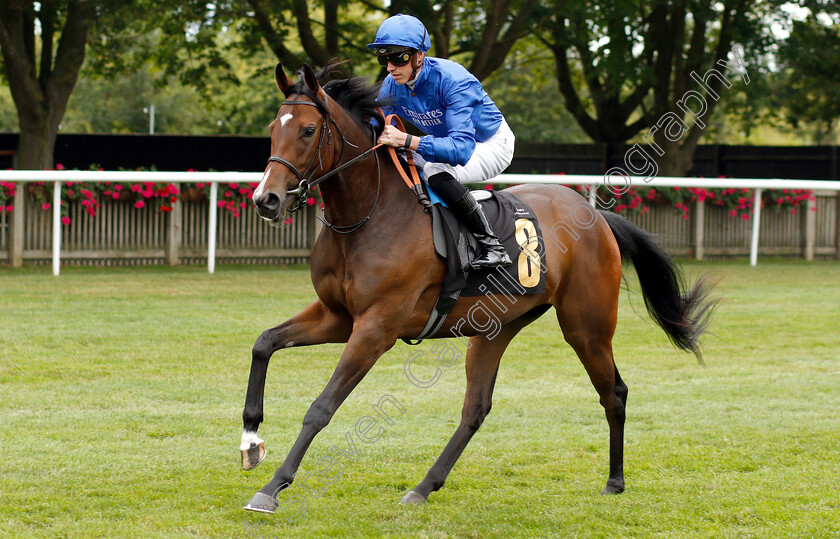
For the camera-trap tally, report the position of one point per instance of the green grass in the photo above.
(122, 392)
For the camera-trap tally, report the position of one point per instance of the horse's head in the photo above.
(302, 144)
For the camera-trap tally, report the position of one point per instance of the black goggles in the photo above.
(397, 58)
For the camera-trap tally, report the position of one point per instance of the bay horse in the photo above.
(377, 277)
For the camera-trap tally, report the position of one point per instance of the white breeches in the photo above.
(489, 159)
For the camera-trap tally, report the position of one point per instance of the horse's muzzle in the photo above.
(269, 207)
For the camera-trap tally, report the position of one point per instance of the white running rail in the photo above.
(214, 178)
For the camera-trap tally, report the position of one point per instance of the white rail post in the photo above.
(809, 226)
(16, 235)
(56, 235)
(211, 228)
(174, 225)
(755, 225)
(592, 194)
(837, 225)
(699, 229)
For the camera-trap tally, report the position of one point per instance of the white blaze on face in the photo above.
(259, 190)
(261, 187)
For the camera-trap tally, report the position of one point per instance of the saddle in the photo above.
(517, 228)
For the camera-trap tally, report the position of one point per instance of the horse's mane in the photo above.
(353, 95)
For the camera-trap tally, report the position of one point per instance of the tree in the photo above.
(121, 104)
(41, 95)
(810, 70)
(223, 91)
(200, 33)
(43, 46)
(298, 31)
(526, 92)
(636, 63)
(8, 116)
(485, 30)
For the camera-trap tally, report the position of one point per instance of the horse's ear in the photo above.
(312, 81)
(283, 81)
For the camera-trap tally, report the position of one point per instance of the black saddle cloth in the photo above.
(516, 226)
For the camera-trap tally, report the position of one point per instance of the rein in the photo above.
(412, 183)
(306, 185)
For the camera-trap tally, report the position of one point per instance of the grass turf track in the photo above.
(122, 391)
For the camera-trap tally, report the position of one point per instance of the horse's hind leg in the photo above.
(314, 325)
(482, 364)
(590, 333)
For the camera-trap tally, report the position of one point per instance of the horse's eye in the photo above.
(308, 132)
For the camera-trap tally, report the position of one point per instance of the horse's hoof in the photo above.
(613, 487)
(413, 498)
(252, 456)
(262, 503)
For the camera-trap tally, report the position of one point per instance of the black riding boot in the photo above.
(468, 211)
(493, 253)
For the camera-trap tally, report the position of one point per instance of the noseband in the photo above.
(306, 184)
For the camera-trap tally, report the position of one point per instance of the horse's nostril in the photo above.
(269, 202)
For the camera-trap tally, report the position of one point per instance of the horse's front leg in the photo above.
(316, 324)
(366, 344)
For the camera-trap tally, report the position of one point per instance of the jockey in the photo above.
(467, 139)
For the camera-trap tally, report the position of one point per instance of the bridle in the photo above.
(306, 183)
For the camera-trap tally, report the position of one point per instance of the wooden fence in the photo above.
(710, 232)
(123, 235)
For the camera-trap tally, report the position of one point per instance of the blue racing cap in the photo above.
(401, 31)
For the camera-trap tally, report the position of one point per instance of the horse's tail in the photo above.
(683, 313)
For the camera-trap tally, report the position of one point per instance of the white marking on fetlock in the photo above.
(249, 440)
